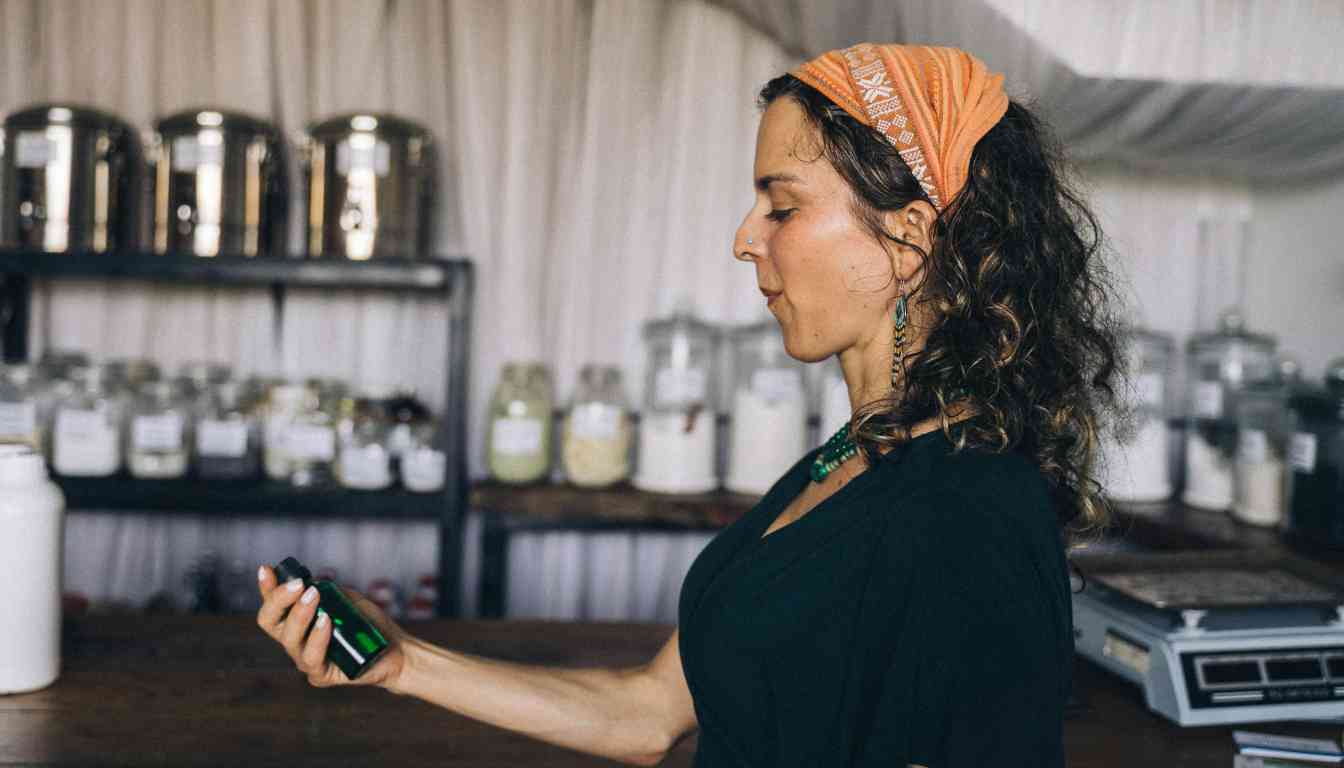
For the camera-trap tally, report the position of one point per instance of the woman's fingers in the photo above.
(313, 658)
(276, 603)
(297, 622)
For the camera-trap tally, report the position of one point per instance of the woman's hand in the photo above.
(286, 613)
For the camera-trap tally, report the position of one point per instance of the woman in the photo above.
(901, 596)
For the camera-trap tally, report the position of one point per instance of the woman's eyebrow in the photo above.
(764, 182)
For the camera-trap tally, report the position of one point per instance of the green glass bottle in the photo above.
(355, 642)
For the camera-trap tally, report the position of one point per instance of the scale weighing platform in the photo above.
(1217, 638)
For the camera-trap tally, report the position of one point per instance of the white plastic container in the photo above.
(32, 524)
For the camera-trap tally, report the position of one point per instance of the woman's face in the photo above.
(826, 279)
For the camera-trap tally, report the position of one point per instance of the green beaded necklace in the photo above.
(839, 449)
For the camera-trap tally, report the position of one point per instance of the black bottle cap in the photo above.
(290, 569)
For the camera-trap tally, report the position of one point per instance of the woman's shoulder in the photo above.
(972, 499)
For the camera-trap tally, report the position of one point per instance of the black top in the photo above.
(920, 614)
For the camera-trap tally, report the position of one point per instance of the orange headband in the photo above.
(933, 104)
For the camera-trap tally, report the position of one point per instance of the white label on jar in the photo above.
(776, 383)
(365, 467)
(81, 425)
(595, 421)
(189, 153)
(363, 152)
(1208, 400)
(161, 432)
(18, 420)
(516, 437)
(1302, 452)
(1252, 446)
(423, 470)
(33, 149)
(221, 439)
(309, 442)
(1151, 390)
(678, 386)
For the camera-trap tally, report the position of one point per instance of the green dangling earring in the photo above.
(841, 447)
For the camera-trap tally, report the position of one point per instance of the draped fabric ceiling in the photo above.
(1224, 87)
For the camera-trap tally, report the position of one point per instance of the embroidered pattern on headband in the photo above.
(888, 114)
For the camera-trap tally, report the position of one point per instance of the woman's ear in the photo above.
(912, 224)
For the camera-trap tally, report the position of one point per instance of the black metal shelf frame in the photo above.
(451, 278)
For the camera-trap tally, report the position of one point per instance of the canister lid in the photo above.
(41, 115)
(193, 120)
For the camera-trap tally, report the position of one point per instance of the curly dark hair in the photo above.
(1025, 331)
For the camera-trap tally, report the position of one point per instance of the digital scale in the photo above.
(1217, 638)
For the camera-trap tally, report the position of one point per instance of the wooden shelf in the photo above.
(247, 498)
(566, 507)
(432, 275)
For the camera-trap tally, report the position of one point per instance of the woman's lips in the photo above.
(770, 296)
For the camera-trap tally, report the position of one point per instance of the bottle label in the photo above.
(81, 425)
(363, 153)
(513, 436)
(1151, 390)
(777, 383)
(310, 442)
(595, 421)
(1252, 446)
(34, 149)
(1302, 452)
(1208, 400)
(18, 420)
(189, 152)
(160, 432)
(680, 386)
(221, 439)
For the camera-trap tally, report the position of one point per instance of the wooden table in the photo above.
(178, 691)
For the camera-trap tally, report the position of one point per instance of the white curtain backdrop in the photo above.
(596, 159)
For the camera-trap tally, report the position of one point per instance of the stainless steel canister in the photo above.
(69, 180)
(218, 185)
(370, 187)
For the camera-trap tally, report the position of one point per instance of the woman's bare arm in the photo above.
(634, 715)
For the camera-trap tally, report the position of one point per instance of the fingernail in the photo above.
(261, 573)
(308, 596)
(294, 585)
(321, 618)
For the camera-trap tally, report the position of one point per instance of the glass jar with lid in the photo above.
(87, 426)
(1263, 432)
(21, 411)
(284, 402)
(678, 425)
(518, 438)
(157, 440)
(310, 438)
(228, 441)
(597, 433)
(424, 462)
(1315, 508)
(1135, 465)
(365, 461)
(768, 411)
(1219, 367)
(406, 414)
